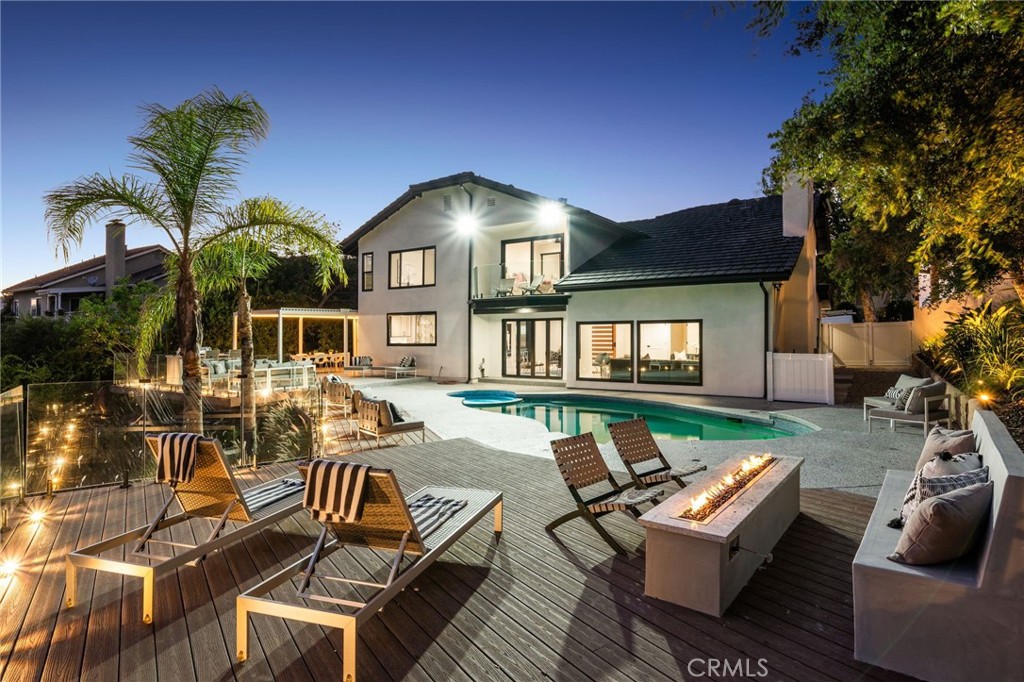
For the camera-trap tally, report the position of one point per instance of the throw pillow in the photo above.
(915, 403)
(940, 476)
(944, 528)
(412, 361)
(894, 393)
(385, 413)
(949, 440)
(395, 417)
(902, 398)
(940, 485)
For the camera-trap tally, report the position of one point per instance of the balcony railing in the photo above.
(497, 280)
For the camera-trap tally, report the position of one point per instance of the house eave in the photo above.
(677, 282)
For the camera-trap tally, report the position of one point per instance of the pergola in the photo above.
(343, 314)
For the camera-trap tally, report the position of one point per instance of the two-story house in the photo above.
(475, 277)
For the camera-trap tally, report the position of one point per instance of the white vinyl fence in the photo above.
(870, 344)
(801, 377)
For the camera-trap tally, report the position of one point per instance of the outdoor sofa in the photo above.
(926, 405)
(957, 620)
(904, 382)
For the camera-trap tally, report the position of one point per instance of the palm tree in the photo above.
(195, 152)
(227, 265)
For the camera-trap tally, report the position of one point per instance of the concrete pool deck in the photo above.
(840, 455)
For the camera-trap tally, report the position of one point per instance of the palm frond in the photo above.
(71, 207)
(197, 149)
(157, 311)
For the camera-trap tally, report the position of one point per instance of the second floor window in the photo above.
(412, 268)
(367, 272)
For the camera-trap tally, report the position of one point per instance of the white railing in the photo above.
(801, 378)
(870, 344)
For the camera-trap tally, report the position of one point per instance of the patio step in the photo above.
(843, 382)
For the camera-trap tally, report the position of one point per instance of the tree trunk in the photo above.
(248, 360)
(868, 305)
(186, 307)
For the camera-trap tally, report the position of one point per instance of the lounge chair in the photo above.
(531, 288)
(386, 524)
(504, 287)
(903, 383)
(377, 419)
(581, 464)
(925, 409)
(636, 445)
(212, 493)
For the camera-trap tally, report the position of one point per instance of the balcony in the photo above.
(524, 287)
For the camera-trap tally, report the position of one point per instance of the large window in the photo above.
(367, 272)
(412, 329)
(670, 352)
(413, 268)
(532, 348)
(604, 351)
(533, 262)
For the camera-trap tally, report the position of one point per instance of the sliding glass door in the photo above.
(532, 348)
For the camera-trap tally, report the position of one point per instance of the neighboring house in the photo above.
(463, 270)
(61, 291)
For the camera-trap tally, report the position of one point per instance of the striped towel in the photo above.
(335, 491)
(269, 494)
(429, 512)
(176, 457)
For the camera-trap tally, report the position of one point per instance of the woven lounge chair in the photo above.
(377, 420)
(636, 446)
(504, 287)
(213, 493)
(387, 525)
(581, 464)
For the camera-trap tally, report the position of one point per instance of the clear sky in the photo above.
(629, 110)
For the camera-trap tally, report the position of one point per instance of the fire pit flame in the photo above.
(716, 495)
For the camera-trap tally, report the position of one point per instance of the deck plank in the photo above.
(531, 606)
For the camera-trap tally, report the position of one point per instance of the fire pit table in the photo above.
(744, 506)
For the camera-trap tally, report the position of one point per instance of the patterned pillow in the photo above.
(942, 468)
(932, 487)
(903, 397)
(894, 393)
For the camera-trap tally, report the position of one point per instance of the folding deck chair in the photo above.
(386, 524)
(581, 464)
(213, 493)
(635, 445)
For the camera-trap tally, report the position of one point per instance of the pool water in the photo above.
(482, 398)
(576, 415)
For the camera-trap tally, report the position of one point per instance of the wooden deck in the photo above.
(528, 608)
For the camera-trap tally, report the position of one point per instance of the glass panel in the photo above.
(670, 352)
(368, 272)
(547, 259)
(428, 267)
(395, 270)
(605, 351)
(540, 348)
(417, 329)
(510, 345)
(555, 349)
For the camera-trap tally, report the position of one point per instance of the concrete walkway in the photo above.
(840, 455)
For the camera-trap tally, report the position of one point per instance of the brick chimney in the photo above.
(797, 204)
(115, 268)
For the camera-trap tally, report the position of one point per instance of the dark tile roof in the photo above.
(738, 241)
(579, 215)
(40, 281)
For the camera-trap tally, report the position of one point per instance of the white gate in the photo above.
(801, 377)
(870, 344)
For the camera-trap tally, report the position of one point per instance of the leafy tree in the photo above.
(194, 154)
(111, 325)
(923, 129)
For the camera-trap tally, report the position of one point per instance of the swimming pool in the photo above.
(482, 398)
(574, 415)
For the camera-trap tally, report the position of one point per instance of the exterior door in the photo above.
(532, 348)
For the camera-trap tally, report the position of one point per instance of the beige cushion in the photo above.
(956, 464)
(915, 403)
(944, 528)
(948, 440)
(385, 413)
(940, 476)
(907, 381)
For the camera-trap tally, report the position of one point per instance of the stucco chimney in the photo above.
(115, 268)
(797, 204)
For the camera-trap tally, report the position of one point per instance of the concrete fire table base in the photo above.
(704, 565)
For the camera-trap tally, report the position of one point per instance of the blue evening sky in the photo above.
(629, 110)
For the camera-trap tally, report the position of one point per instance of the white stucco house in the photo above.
(463, 272)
